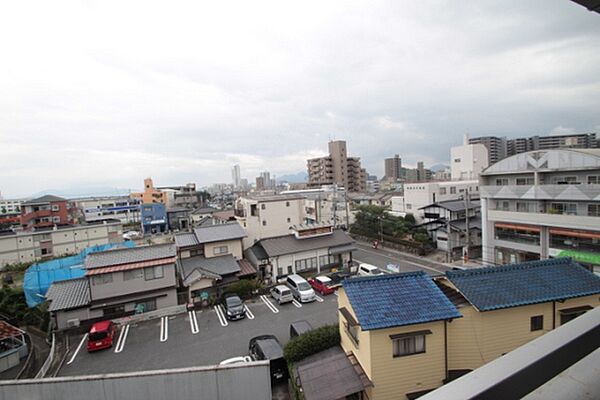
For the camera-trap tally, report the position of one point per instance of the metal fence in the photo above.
(44, 370)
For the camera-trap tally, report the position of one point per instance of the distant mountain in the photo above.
(293, 178)
(439, 167)
(83, 191)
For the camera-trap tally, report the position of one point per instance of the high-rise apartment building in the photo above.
(337, 168)
(501, 147)
(236, 176)
(393, 167)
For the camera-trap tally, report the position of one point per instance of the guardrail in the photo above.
(44, 370)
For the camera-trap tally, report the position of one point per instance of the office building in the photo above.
(123, 208)
(236, 176)
(393, 167)
(337, 168)
(542, 204)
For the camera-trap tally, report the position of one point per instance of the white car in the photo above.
(132, 235)
(369, 270)
(282, 294)
(236, 360)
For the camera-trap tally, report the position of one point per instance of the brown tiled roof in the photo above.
(8, 331)
(127, 267)
(246, 268)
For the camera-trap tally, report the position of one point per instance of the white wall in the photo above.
(467, 161)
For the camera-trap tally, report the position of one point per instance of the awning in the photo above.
(342, 249)
(349, 318)
(575, 310)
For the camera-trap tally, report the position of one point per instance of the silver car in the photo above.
(282, 294)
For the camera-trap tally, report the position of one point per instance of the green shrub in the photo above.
(244, 287)
(311, 343)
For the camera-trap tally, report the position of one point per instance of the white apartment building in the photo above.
(268, 216)
(542, 204)
(418, 195)
(327, 204)
(10, 206)
(123, 208)
(468, 161)
(28, 246)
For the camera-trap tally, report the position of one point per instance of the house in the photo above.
(154, 218)
(210, 258)
(47, 211)
(411, 333)
(116, 283)
(178, 218)
(308, 248)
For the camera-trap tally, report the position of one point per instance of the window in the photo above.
(46, 252)
(101, 279)
(289, 220)
(524, 206)
(220, 250)
(457, 160)
(537, 323)
(264, 222)
(290, 270)
(566, 180)
(56, 220)
(287, 203)
(563, 208)
(279, 271)
(443, 190)
(326, 260)
(145, 306)
(113, 311)
(524, 181)
(594, 210)
(570, 314)
(132, 274)
(593, 180)
(54, 207)
(308, 263)
(452, 190)
(502, 182)
(351, 325)
(502, 205)
(153, 273)
(408, 206)
(262, 206)
(406, 344)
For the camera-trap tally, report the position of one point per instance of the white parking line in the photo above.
(336, 294)
(296, 303)
(193, 322)
(248, 313)
(271, 306)
(77, 349)
(164, 329)
(122, 339)
(319, 299)
(221, 316)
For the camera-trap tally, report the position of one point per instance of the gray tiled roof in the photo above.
(72, 293)
(217, 233)
(221, 265)
(44, 199)
(186, 239)
(126, 256)
(289, 244)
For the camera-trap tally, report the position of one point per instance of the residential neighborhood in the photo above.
(309, 201)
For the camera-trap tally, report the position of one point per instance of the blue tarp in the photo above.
(39, 277)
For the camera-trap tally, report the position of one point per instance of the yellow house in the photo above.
(411, 333)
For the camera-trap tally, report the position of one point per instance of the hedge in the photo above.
(312, 342)
(244, 287)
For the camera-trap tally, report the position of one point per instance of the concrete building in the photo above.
(29, 246)
(327, 204)
(267, 216)
(123, 208)
(178, 218)
(448, 326)
(393, 167)
(542, 204)
(236, 176)
(307, 249)
(337, 168)
(154, 218)
(183, 196)
(501, 147)
(467, 161)
(260, 183)
(10, 206)
(117, 283)
(150, 194)
(47, 211)
(418, 195)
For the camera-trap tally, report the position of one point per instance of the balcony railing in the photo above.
(538, 192)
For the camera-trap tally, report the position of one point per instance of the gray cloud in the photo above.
(183, 91)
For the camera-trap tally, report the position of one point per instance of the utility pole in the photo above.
(449, 235)
(335, 201)
(381, 230)
(467, 238)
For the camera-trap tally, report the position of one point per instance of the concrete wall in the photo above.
(235, 382)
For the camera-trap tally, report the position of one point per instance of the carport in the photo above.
(12, 346)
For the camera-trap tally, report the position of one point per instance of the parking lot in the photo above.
(194, 338)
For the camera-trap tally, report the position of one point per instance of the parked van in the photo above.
(267, 347)
(368, 270)
(282, 294)
(299, 327)
(101, 335)
(300, 288)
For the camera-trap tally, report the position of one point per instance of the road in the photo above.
(382, 256)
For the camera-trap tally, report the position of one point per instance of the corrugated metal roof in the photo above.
(289, 244)
(186, 239)
(395, 300)
(220, 232)
(128, 256)
(72, 293)
(492, 288)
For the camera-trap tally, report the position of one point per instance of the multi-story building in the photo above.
(467, 161)
(123, 208)
(47, 211)
(10, 206)
(501, 147)
(327, 204)
(260, 183)
(60, 240)
(418, 195)
(542, 204)
(150, 194)
(337, 168)
(236, 176)
(267, 216)
(442, 328)
(154, 218)
(117, 283)
(185, 196)
(393, 167)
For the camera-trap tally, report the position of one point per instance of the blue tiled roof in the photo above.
(395, 300)
(491, 288)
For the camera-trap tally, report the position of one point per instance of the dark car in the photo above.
(267, 347)
(234, 307)
(299, 327)
(338, 277)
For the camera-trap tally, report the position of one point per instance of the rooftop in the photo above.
(289, 244)
(43, 199)
(186, 239)
(396, 300)
(72, 293)
(221, 265)
(219, 232)
(129, 256)
(275, 197)
(8, 331)
(492, 288)
(454, 205)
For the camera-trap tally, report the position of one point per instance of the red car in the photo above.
(322, 284)
(101, 335)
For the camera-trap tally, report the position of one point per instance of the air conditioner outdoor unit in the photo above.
(73, 323)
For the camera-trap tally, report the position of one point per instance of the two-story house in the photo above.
(117, 283)
(411, 333)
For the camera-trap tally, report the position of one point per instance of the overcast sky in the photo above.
(107, 93)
